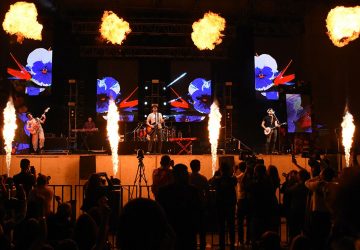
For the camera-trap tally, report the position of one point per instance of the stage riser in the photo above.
(66, 169)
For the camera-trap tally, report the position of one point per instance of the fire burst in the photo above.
(113, 28)
(207, 31)
(348, 129)
(9, 130)
(113, 133)
(214, 132)
(21, 20)
(343, 25)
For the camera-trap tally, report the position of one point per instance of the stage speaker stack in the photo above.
(56, 145)
(227, 159)
(87, 166)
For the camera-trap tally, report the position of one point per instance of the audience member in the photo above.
(96, 191)
(242, 205)
(202, 185)
(320, 220)
(263, 205)
(301, 242)
(182, 205)
(162, 176)
(25, 177)
(225, 188)
(42, 191)
(143, 225)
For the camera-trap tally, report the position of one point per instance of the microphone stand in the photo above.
(240, 143)
(278, 133)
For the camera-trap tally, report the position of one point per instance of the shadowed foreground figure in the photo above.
(143, 226)
(181, 203)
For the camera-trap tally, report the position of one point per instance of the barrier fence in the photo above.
(121, 194)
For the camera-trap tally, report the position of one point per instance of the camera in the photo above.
(140, 154)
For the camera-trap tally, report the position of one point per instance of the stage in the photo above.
(74, 169)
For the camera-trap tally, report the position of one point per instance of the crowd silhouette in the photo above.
(243, 205)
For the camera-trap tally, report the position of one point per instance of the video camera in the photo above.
(140, 154)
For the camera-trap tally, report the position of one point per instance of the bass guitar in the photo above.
(268, 130)
(35, 126)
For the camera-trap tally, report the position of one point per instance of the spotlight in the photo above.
(145, 116)
(164, 88)
(145, 103)
(146, 87)
(164, 103)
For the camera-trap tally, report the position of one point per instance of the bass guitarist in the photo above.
(33, 125)
(153, 122)
(270, 123)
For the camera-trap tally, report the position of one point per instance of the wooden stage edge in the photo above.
(66, 169)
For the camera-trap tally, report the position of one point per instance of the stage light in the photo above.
(145, 103)
(146, 87)
(164, 88)
(145, 116)
(164, 103)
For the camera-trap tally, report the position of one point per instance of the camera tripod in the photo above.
(140, 175)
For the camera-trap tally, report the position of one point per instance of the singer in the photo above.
(154, 129)
(270, 123)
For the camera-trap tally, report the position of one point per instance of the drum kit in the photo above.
(141, 134)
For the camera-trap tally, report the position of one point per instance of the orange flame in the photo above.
(113, 133)
(207, 31)
(9, 130)
(113, 28)
(214, 126)
(343, 25)
(21, 20)
(348, 129)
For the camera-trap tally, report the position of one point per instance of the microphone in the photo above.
(276, 117)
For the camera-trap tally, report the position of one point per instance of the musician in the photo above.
(88, 125)
(153, 122)
(33, 125)
(270, 123)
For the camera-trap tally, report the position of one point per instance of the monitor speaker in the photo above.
(87, 166)
(227, 159)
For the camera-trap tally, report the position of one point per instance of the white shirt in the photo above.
(155, 118)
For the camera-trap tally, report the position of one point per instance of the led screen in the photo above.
(298, 113)
(126, 101)
(190, 98)
(269, 76)
(31, 73)
(118, 79)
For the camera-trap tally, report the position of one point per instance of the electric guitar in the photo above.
(151, 129)
(35, 126)
(268, 130)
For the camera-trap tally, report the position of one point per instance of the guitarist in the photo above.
(270, 123)
(153, 122)
(33, 125)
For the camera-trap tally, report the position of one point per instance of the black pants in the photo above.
(158, 143)
(271, 141)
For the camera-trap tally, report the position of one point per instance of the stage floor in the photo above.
(68, 170)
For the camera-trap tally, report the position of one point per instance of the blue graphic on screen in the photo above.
(268, 77)
(36, 77)
(22, 136)
(192, 104)
(298, 113)
(109, 88)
